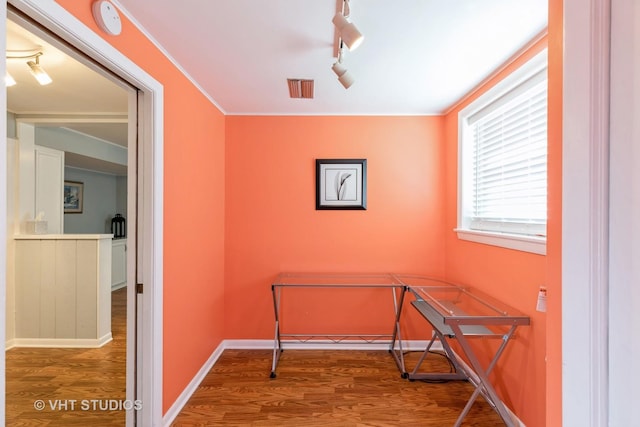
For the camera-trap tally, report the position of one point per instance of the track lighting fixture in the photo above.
(344, 77)
(349, 34)
(41, 76)
(9, 80)
(36, 69)
(346, 34)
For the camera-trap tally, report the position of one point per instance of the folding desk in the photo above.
(336, 281)
(460, 313)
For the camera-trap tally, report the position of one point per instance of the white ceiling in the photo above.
(79, 99)
(419, 57)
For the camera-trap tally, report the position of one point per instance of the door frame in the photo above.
(600, 294)
(59, 21)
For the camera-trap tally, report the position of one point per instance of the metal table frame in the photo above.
(490, 318)
(338, 280)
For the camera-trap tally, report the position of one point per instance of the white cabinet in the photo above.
(39, 182)
(118, 264)
(63, 290)
(50, 187)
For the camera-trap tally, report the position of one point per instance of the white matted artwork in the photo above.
(341, 184)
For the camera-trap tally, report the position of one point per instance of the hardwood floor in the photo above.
(327, 388)
(313, 388)
(56, 376)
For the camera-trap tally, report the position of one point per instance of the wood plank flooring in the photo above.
(328, 388)
(64, 374)
(312, 388)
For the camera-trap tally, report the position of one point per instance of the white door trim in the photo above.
(585, 213)
(55, 18)
(624, 278)
(3, 218)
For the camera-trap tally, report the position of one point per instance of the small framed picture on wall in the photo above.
(341, 184)
(73, 195)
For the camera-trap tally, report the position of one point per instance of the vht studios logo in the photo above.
(87, 405)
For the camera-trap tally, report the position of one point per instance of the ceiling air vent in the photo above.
(300, 88)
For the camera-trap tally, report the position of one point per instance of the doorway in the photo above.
(65, 326)
(143, 309)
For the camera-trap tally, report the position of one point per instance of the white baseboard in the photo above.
(60, 342)
(118, 286)
(248, 344)
(184, 397)
(415, 345)
(410, 345)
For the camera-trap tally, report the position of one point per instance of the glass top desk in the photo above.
(457, 312)
(333, 283)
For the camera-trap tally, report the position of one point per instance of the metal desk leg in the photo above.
(484, 385)
(457, 375)
(277, 344)
(424, 355)
(397, 336)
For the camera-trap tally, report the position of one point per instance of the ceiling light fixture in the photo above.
(38, 72)
(344, 77)
(346, 34)
(348, 31)
(36, 69)
(9, 80)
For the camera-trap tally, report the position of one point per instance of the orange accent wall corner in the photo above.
(513, 276)
(194, 173)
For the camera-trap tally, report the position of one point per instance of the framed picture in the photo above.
(341, 184)
(73, 195)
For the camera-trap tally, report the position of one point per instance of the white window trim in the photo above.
(520, 242)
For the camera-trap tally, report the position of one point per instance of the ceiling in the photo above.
(419, 57)
(79, 99)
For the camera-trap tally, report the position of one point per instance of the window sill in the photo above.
(533, 244)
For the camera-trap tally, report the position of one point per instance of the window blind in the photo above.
(509, 179)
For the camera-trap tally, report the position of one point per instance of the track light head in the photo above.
(348, 31)
(9, 80)
(38, 72)
(339, 69)
(344, 77)
(346, 80)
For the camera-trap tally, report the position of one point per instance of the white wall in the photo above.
(12, 228)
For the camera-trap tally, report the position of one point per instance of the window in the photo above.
(502, 196)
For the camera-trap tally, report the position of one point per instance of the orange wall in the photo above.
(193, 210)
(272, 224)
(512, 276)
(259, 173)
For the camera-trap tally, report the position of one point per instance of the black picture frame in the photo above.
(73, 196)
(341, 184)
